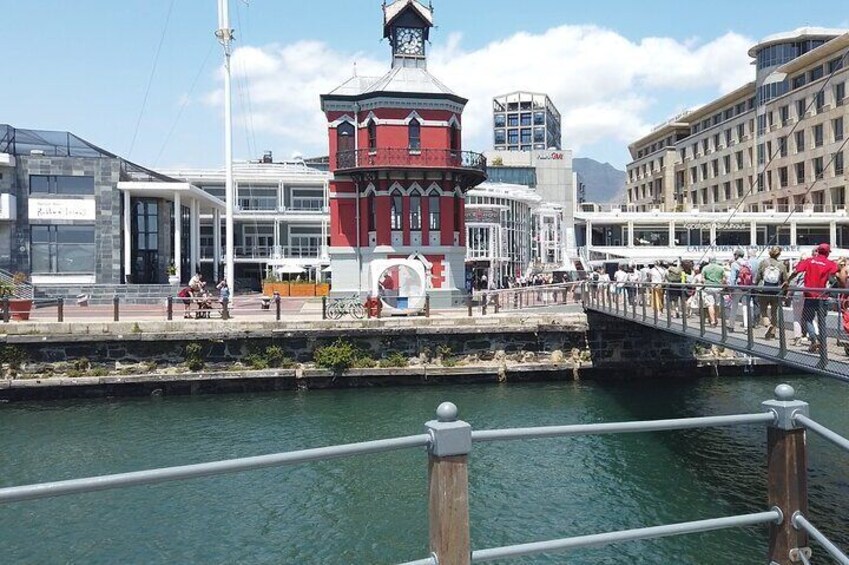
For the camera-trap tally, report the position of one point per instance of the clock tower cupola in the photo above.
(406, 24)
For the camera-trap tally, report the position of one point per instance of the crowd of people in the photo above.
(747, 284)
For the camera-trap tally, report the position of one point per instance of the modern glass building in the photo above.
(525, 121)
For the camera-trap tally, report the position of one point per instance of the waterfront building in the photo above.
(617, 233)
(776, 143)
(281, 218)
(505, 232)
(400, 174)
(525, 121)
(73, 214)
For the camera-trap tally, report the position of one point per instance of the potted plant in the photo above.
(19, 308)
(173, 279)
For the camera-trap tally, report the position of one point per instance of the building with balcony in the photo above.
(73, 215)
(281, 217)
(400, 174)
(776, 143)
(525, 121)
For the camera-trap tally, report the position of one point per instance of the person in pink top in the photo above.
(818, 269)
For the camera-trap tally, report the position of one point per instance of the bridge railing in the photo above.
(524, 298)
(805, 327)
(449, 442)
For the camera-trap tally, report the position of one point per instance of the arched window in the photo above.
(345, 137)
(433, 211)
(372, 135)
(415, 210)
(415, 133)
(397, 209)
(372, 213)
(455, 137)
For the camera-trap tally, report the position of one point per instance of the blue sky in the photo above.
(614, 68)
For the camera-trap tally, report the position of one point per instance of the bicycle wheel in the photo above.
(357, 310)
(334, 311)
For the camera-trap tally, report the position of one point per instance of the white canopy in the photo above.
(288, 269)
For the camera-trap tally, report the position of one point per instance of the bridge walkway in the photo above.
(828, 355)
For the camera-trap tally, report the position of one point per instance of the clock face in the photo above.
(409, 41)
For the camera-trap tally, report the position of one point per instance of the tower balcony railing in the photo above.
(403, 157)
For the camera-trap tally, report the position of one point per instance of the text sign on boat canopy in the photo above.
(59, 209)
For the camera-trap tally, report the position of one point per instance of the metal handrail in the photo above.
(621, 427)
(153, 476)
(404, 157)
(822, 431)
(801, 523)
(445, 438)
(653, 532)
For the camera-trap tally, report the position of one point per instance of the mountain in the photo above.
(604, 182)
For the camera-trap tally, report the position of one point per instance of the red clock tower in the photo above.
(400, 174)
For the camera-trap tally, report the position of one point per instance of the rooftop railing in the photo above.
(449, 442)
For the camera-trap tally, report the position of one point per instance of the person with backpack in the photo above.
(772, 278)
(674, 290)
(740, 275)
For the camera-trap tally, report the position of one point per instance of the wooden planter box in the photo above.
(295, 289)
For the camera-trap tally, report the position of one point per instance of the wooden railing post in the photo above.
(225, 309)
(323, 307)
(448, 486)
(787, 469)
(469, 303)
(277, 313)
(116, 300)
(169, 308)
(60, 309)
(427, 306)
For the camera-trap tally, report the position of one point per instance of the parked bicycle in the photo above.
(350, 306)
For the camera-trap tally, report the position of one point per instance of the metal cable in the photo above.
(150, 78)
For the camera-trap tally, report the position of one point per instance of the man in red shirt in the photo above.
(818, 270)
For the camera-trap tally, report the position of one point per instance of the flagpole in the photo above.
(225, 37)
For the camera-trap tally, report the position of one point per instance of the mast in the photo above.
(225, 37)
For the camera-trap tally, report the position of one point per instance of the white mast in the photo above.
(225, 37)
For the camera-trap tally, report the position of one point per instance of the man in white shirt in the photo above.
(657, 278)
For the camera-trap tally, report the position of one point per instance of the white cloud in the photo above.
(605, 85)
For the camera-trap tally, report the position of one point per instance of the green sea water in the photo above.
(373, 509)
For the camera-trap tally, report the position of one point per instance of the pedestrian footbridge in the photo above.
(690, 316)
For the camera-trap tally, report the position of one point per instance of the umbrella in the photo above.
(288, 269)
(327, 269)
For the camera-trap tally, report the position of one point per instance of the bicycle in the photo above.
(346, 306)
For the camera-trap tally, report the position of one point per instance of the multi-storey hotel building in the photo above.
(776, 143)
(524, 121)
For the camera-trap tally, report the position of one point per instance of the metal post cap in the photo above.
(447, 412)
(784, 392)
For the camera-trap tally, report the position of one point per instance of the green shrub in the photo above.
(339, 356)
(274, 356)
(82, 364)
(394, 359)
(256, 361)
(13, 356)
(98, 372)
(449, 362)
(365, 362)
(194, 356)
(444, 351)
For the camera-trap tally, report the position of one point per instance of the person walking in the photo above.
(674, 290)
(797, 303)
(818, 270)
(714, 276)
(740, 275)
(771, 277)
(656, 278)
